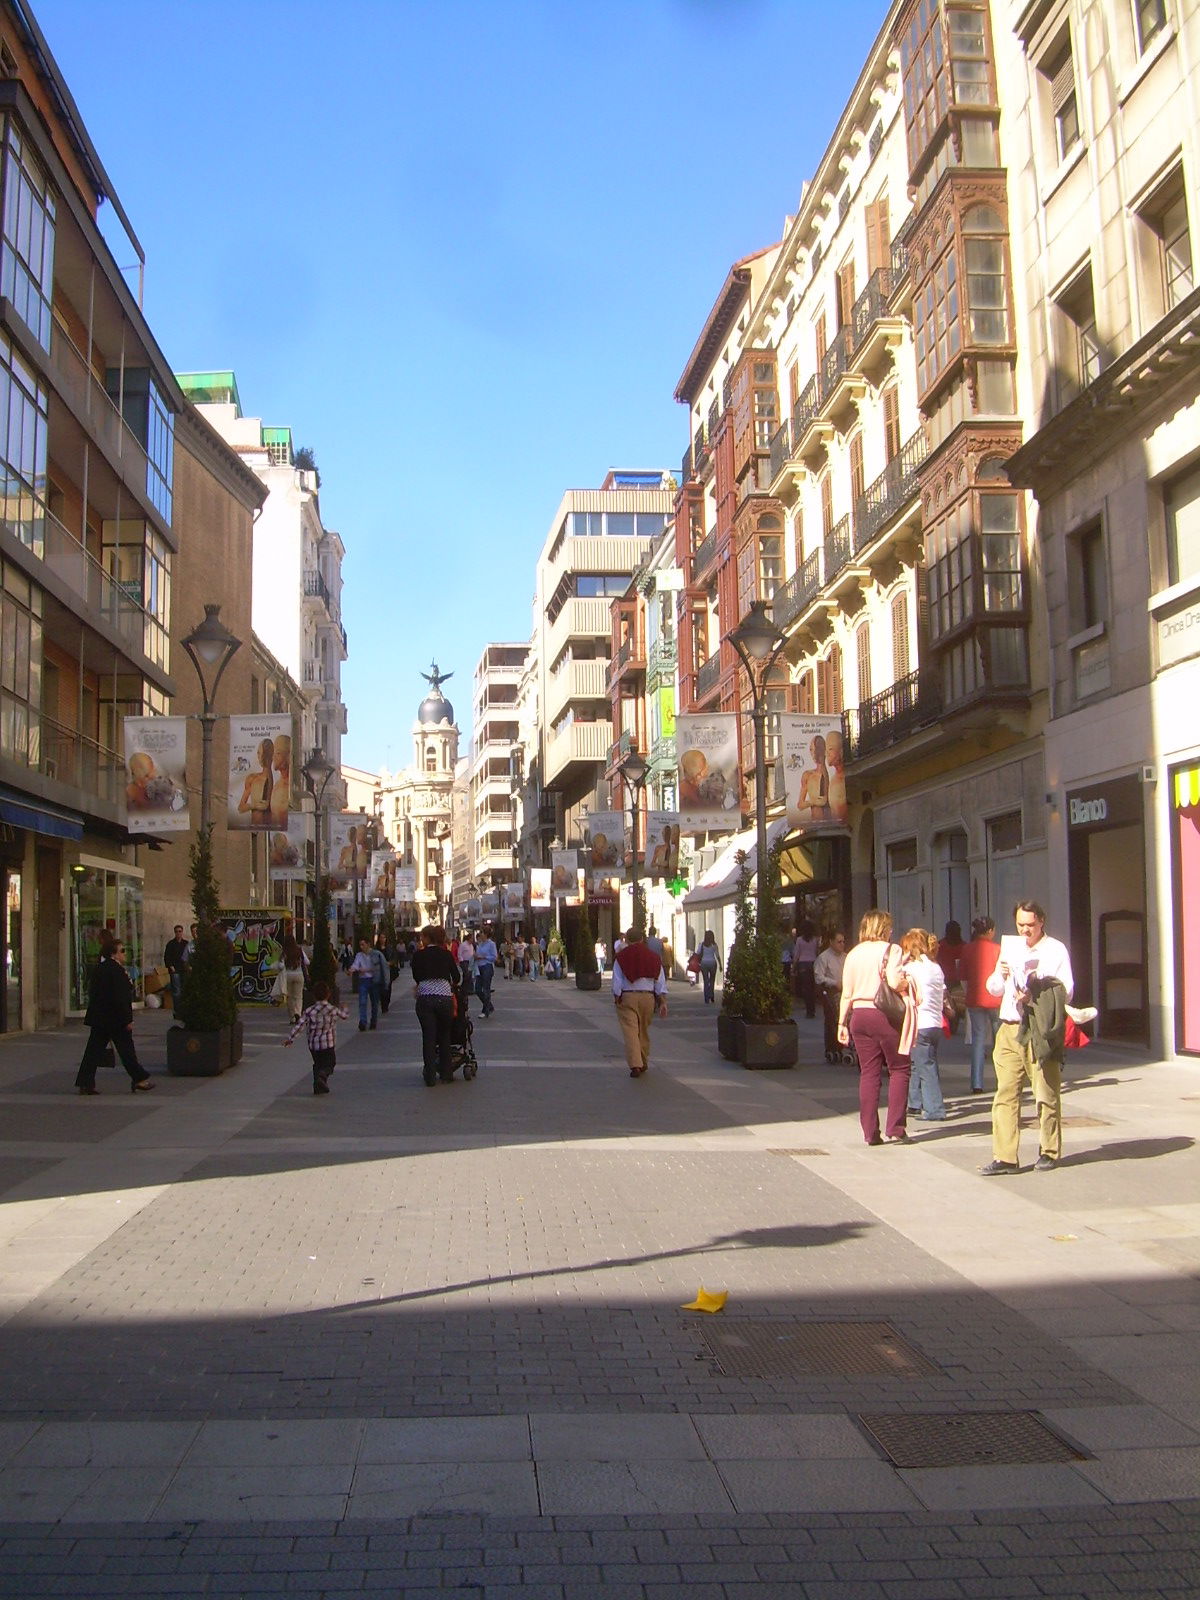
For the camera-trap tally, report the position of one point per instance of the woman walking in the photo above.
(295, 970)
(927, 984)
(110, 1017)
(437, 976)
(880, 1044)
(977, 964)
(710, 964)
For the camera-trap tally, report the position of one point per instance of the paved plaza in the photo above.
(426, 1341)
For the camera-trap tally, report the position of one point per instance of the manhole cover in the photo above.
(1085, 1122)
(797, 1349)
(968, 1439)
(801, 1150)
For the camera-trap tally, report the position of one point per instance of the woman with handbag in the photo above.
(110, 1017)
(295, 969)
(437, 976)
(874, 1016)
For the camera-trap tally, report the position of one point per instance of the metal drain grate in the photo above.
(779, 1349)
(968, 1439)
(799, 1150)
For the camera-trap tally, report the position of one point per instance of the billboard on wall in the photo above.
(710, 784)
(260, 772)
(606, 841)
(382, 875)
(255, 935)
(156, 799)
(405, 885)
(814, 771)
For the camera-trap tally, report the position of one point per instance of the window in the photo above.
(879, 236)
(1006, 872)
(948, 559)
(845, 293)
(969, 74)
(826, 503)
(926, 87)
(1178, 280)
(1059, 72)
(24, 409)
(806, 700)
(1183, 527)
(1000, 539)
(900, 655)
(862, 645)
(829, 681)
(1149, 18)
(987, 278)
(891, 422)
(857, 482)
(937, 332)
(1089, 601)
(27, 251)
(1081, 355)
(1166, 246)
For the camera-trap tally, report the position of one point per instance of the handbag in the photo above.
(887, 1001)
(278, 989)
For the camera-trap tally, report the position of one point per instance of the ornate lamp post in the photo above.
(317, 772)
(211, 647)
(634, 771)
(759, 643)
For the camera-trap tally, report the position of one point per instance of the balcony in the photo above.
(837, 551)
(621, 747)
(701, 454)
(87, 589)
(703, 556)
(663, 757)
(886, 718)
(629, 659)
(315, 588)
(875, 330)
(708, 677)
(842, 388)
(579, 619)
(578, 680)
(901, 285)
(581, 742)
(795, 596)
(660, 668)
(685, 469)
(893, 490)
(68, 757)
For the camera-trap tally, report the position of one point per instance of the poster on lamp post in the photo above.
(539, 889)
(382, 876)
(662, 844)
(605, 848)
(710, 784)
(405, 887)
(513, 901)
(814, 775)
(260, 773)
(288, 851)
(156, 799)
(564, 871)
(349, 849)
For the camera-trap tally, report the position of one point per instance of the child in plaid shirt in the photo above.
(320, 1023)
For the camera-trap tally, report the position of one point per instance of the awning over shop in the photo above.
(15, 809)
(718, 885)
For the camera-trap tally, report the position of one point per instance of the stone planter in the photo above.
(770, 1044)
(729, 1036)
(589, 980)
(203, 1053)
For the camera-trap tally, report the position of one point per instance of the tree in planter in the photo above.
(207, 1001)
(585, 945)
(323, 967)
(755, 988)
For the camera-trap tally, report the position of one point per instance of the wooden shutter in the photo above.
(829, 681)
(845, 293)
(857, 482)
(826, 502)
(793, 386)
(822, 338)
(805, 704)
(879, 240)
(891, 422)
(798, 539)
(900, 655)
(862, 640)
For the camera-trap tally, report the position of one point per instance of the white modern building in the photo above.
(498, 676)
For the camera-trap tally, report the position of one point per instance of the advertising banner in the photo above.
(513, 901)
(405, 885)
(349, 849)
(564, 871)
(260, 772)
(156, 798)
(605, 889)
(382, 877)
(472, 914)
(288, 851)
(662, 844)
(606, 844)
(710, 787)
(490, 904)
(255, 935)
(539, 888)
(814, 777)
(574, 895)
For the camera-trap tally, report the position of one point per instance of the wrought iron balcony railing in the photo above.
(709, 675)
(837, 549)
(801, 587)
(892, 490)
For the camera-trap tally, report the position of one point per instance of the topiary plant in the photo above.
(755, 988)
(323, 967)
(585, 944)
(207, 1001)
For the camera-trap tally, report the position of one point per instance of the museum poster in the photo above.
(814, 771)
(606, 842)
(156, 798)
(710, 788)
(260, 772)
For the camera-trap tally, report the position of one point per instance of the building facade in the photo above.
(496, 687)
(417, 803)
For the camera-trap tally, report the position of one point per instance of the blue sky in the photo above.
(462, 249)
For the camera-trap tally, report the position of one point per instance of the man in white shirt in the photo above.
(639, 987)
(1036, 957)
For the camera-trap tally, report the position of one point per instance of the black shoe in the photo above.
(430, 1080)
(999, 1169)
(362, 1027)
(1045, 1164)
(320, 1088)
(84, 1088)
(373, 1026)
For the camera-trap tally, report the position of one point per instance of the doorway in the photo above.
(10, 948)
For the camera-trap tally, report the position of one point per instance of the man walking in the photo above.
(639, 991)
(175, 959)
(486, 956)
(1034, 980)
(365, 967)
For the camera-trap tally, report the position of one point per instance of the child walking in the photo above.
(927, 982)
(320, 1024)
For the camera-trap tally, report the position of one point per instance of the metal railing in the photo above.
(837, 549)
(871, 305)
(835, 361)
(89, 398)
(894, 713)
(709, 675)
(801, 587)
(68, 756)
(781, 449)
(685, 468)
(714, 416)
(900, 262)
(893, 489)
(622, 657)
(704, 554)
(663, 752)
(663, 657)
(316, 587)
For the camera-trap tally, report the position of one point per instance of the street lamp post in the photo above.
(634, 770)
(317, 773)
(211, 647)
(758, 643)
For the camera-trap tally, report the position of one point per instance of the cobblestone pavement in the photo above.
(433, 1340)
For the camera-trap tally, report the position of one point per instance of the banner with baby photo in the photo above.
(289, 851)
(260, 773)
(710, 785)
(156, 798)
(814, 776)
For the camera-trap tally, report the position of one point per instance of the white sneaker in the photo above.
(1081, 1014)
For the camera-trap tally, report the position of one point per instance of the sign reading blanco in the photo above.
(1085, 811)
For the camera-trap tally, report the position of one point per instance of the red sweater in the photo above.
(636, 961)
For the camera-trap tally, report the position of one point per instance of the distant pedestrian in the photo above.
(556, 953)
(951, 950)
(533, 960)
(365, 970)
(175, 959)
(927, 984)
(655, 945)
(804, 957)
(295, 970)
(437, 977)
(977, 963)
(639, 993)
(345, 955)
(881, 1046)
(710, 965)
(383, 974)
(465, 957)
(320, 1022)
(485, 970)
(601, 955)
(1034, 983)
(110, 1017)
(827, 979)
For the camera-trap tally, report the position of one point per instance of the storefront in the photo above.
(815, 872)
(1106, 886)
(103, 898)
(11, 943)
(1185, 875)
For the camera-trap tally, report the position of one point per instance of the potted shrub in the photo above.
(755, 1024)
(587, 971)
(207, 1035)
(323, 965)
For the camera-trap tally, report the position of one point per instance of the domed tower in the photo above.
(435, 735)
(435, 753)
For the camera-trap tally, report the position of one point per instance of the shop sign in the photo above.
(1109, 805)
(1179, 636)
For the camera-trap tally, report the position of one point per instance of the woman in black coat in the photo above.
(110, 1017)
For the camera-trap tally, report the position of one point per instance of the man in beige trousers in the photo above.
(639, 991)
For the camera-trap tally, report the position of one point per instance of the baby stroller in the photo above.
(462, 1051)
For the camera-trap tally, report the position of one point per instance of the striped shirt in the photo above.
(320, 1024)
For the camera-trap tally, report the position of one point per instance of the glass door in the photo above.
(10, 1002)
